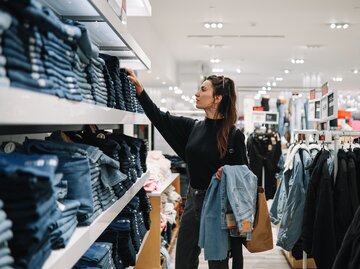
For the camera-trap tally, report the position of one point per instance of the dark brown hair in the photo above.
(225, 87)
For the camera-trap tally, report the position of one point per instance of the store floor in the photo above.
(273, 259)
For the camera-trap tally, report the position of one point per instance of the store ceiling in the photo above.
(259, 37)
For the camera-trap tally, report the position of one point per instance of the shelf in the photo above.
(164, 185)
(24, 107)
(174, 235)
(83, 237)
(95, 12)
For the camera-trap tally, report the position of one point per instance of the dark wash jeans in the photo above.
(187, 249)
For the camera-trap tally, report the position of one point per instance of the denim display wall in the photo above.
(43, 53)
(99, 255)
(127, 231)
(26, 188)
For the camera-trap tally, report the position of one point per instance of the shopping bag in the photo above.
(261, 239)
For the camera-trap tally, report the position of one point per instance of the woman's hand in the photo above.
(134, 79)
(219, 173)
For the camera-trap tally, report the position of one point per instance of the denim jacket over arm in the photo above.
(237, 190)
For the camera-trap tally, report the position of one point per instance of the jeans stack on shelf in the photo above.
(99, 255)
(6, 260)
(111, 148)
(5, 23)
(26, 188)
(113, 67)
(109, 86)
(96, 77)
(66, 224)
(82, 80)
(126, 233)
(126, 89)
(138, 107)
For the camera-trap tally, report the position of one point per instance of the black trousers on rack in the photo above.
(187, 249)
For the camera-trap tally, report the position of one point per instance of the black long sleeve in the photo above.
(196, 143)
(175, 130)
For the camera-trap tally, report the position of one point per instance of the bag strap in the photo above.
(230, 149)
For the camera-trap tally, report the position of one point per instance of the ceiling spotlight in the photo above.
(279, 79)
(238, 70)
(339, 25)
(215, 60)
(213, 25)
(163, 83)
(149, 71)
(268, 88)
(183, 97)
(157, 78)
(337, 79)
(218, 70)
(163, 100)
(297, 61)
(170, 88)
(263, 88)
(355, 71)
(268, 83)
(178, 91)
(286, 71)
(273, 84)
(262, 92)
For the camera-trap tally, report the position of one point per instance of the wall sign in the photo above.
(266, 117)
(329, 107)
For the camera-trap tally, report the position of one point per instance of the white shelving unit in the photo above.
(83, 237)
(24, 107)
(24, 112)
(166, 183)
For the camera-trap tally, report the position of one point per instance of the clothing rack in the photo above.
(330, 137)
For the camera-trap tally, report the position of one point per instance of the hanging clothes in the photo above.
(264, 151)
(318, 232)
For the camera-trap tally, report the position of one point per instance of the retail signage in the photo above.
(314, 110)
(312, 94)
(329, 107)
(265, 117)
(324, 89)
(258, 108)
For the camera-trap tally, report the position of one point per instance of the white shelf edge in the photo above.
(115, 23)
(164, 185)
(83, 237)
(24, 107)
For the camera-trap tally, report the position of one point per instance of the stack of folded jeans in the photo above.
(65, 225)
(143, 154)
(111, 148)
(5, 22)
(113, 67)
(144, 207)
(138, 107)
(96, 77)
(129, 96)
(118, 233)
(79, 68)
(74, 165)
(109, 86)
(6, 260)
(58, 62)
(44, 44)
(99, 255)
(26, 188)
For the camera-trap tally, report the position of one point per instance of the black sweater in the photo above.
(195, 142)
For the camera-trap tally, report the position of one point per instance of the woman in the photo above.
(203, 145)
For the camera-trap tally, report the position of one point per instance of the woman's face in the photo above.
(205, 96)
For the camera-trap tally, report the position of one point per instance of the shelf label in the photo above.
(265, 117)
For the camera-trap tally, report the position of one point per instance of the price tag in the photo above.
(324, 108)
(317, 104)
(311, 111)
(265, 117)
(332, 105)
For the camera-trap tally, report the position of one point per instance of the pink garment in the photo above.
(151, 185)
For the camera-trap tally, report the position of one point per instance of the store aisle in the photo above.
(273, 259)
(266, 260)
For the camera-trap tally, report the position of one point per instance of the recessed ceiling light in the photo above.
(238, 70)
(215, 46)
(183, 97)
(273, 84)
(178, 91)
(149, 71)
(286, 71)
(279, 79)
(337, 79)
(163, 83)
(355, 71)
(218, 70)
(213, 25)
(339, 25)
(268, 88)
(170, 88)
(157, 78)
(268, 83)
(262, 92)
(297, 61)
(163, 101)
(263, 88)
(215, 60)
